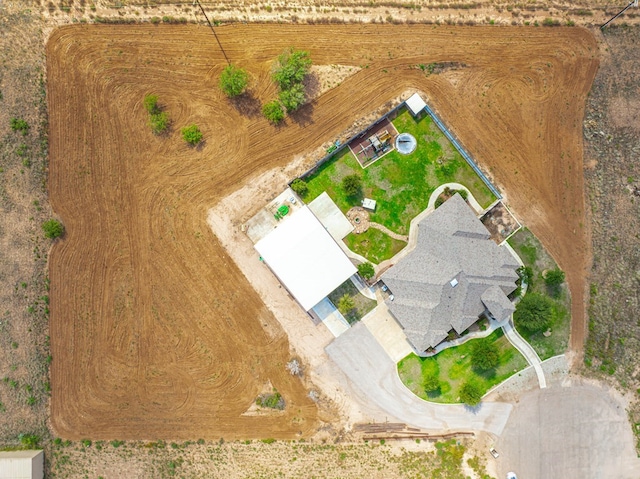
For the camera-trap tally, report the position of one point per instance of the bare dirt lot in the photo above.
(155, 332)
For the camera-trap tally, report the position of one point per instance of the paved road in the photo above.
(373, 376)
(580, 431)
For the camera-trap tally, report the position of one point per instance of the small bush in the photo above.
(471, 393)
(431, 384)
(346, 304)
(554, 277)
(115, 443)
(30, 441)
(272, 401)
(233, 81)
(366, 270)
(485, 354)
(18, 124)
(300, 187)
(293, 98)
(53, 229)
(273, 112)
(352, 185)
(534, 312)
(192, 134)
(159, 122)
(151, 104)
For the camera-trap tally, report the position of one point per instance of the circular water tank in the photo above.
(406, 143)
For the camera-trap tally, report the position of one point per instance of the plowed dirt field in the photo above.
(154, 331)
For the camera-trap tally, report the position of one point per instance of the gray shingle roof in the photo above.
(452, 245)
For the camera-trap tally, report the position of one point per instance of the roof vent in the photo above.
(453, 282)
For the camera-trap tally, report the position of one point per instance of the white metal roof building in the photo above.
(416, 104)
(305, 258)
(22, 464)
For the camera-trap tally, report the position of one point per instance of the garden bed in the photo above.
(362, 304)
(453, 367)
(533, 254)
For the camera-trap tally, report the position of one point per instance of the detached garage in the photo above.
(22, 465)
(305, 258)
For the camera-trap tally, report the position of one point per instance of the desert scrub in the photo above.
(191, 134)
(53, 229)
(272, 401)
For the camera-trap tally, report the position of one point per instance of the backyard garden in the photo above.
(463, 373)
(547, 296)
(400, 184)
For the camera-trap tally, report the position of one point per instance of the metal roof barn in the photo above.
(22, 464)
(305, 258)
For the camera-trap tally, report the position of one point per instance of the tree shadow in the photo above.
(303, 116)
(247, 105)
(312, 86)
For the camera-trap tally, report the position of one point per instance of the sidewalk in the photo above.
(526, 350)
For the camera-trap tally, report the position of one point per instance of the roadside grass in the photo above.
(453, 368)
(374, 245)
(535, 256)
(362, 304)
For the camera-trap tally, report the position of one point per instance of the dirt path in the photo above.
(155, 332)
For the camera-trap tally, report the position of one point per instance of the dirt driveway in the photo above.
(578, 431)
(373, 376)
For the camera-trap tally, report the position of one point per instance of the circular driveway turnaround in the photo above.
(580, 431)
(370, 369)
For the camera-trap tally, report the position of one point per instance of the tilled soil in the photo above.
(155, 332)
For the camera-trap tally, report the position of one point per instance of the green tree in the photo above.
(431, 383)
(233, 81)
(554, 277)
(300, 186)
(273, 112)
(366, 270)
(293, 98)
(471, 393)
(192, 134)
(346, 304)
(485, 354)
(534, 312)
(30, 441)
(151, 104)
(291, 68)
(52, 229)
(159, 122)
(352, 185)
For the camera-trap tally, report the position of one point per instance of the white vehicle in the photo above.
(511, 475)
(494, 453)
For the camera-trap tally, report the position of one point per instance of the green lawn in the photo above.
(363, 304)
(453, 368)
(374, 245)
(534, 255)
(401, 184)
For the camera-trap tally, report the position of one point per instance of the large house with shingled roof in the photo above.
(453, 276)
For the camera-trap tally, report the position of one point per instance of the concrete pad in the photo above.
(388, 333)
(375, 380)
(331, 317)
(330, 216)
(260, 225)
(581, 431)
